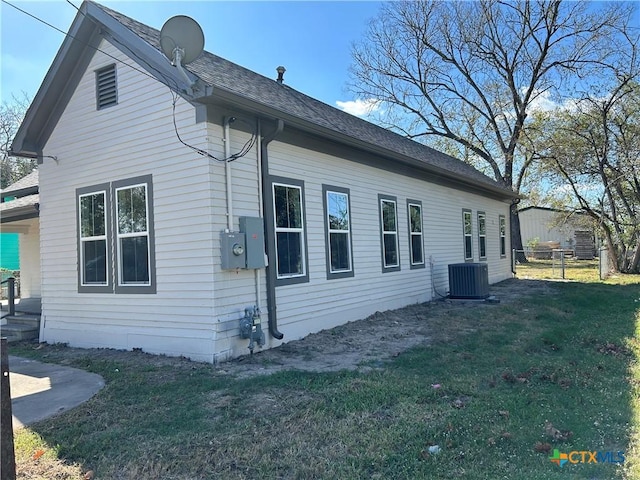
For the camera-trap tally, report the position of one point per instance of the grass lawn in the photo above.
(515, 382)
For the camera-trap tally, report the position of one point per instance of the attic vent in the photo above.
(106, 91)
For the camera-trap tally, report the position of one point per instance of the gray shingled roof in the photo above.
(26, 183)
(22, 207)
(227, 76)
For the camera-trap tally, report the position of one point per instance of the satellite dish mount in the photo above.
(182, 41)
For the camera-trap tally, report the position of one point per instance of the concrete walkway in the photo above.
(41, 390)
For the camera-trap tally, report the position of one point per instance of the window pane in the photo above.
(134, 254)
(482, 225)
(415, 218)
(483, 247)
(92, 219)
(338, 210)
(289, 245)
(388, 216)
(502, 246)
(467, 223)
(390, 250)
(503, 226)
(339, 251)
(467, 247)
(132, 210)
(94, 257)
(416, 248)
(288, 204)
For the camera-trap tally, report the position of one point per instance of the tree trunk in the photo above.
(516, 235)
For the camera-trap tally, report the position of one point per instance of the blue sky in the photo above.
(311, 39)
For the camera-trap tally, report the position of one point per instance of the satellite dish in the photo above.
(181, 40)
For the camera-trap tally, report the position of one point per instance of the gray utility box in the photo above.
(253, 229)
(233, 249)
(468, 280)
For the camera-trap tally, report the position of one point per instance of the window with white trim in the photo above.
(115, 227)
(389, 233)
(482, 235)
(503, 235)
(338, 232)
(467, 228)
(133, 235)
(92, 211)
(289, 231)
(416, 245)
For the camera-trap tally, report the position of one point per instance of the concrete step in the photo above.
(15, 332)
(23, 319)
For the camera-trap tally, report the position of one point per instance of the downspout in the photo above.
(269, 232)
(258, 271)
(227, 171)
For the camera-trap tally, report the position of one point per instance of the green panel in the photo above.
(9, 251)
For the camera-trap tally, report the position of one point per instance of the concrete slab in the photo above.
(41, 390)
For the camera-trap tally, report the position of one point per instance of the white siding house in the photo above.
(145, 192)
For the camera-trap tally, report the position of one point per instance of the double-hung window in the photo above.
(389, 233)
(467, 228)
(115, 227)
(503, 235)
(288, 210)
(93, 234)
(482, 235)
(132, 210)
(338, 232)
(416, 245)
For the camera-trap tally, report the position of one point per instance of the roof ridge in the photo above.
(225, 75)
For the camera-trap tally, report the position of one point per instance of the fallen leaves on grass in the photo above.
(38, 453)
(555, 433)
(610, 348)
(542, 447)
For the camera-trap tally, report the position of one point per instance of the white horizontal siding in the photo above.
(323, 303)
(234, 290)
(135, 137)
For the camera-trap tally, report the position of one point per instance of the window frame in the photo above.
(150, 285)
(84, 287)
(328, 232)
(412, 263)
(482, 236)
(381, 200)
(502, 235)
(113, 264)
(303, 277)
(467, 235)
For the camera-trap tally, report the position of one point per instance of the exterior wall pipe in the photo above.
(269, 231)
(258, 271)
(227, 170)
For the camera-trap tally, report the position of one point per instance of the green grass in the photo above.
(576, 270)
(569, 358)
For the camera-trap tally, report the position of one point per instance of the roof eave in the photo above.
(313, 128)
(88, 28)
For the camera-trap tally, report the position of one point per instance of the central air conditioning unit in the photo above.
(468, 280)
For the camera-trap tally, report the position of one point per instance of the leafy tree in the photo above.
(592, 151)
(470, 73)
(11, 115)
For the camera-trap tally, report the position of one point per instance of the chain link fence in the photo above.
(558, 264)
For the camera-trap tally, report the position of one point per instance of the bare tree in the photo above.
(11, 115)
(592, 150)
(470, 73)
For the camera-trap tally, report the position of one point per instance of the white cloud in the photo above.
(542, 102)
(359, 108)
